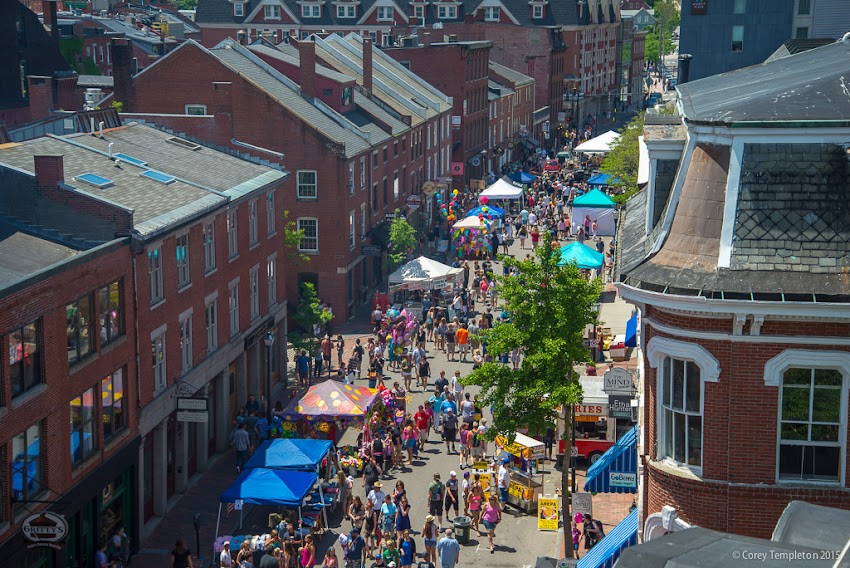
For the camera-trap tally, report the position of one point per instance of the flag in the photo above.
(230, 507)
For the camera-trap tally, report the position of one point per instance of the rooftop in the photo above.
(511, 75)
(22, 255)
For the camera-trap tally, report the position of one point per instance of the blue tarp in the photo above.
(492, 210)
(631, 331)
(581, 254)
(292, 453)
(603, 179)
(285, 487)
(522, 177)
(620, 458)
(607, 551)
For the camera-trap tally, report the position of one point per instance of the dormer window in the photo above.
(311, 10)
(346, 11)
(385, 13)
(537, 11)
(239, 10)
(419, 12)
(492, 14)
(271, 12)
(447, 12)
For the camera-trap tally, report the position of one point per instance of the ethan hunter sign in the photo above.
(619, 406)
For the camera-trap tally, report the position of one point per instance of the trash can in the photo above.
(461, 526)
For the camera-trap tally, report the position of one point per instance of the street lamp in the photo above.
(269, 341)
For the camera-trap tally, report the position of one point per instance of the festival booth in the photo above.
(488, 211)
(502, 189)
(294, 453)
(522, 177)
(599, 145)
(469, 236)
(420, 275)
(582, 255)
(603, 180)
(598, 207)
(325, 410)
(527, 456)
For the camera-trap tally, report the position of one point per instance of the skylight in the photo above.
(183, 143)
(130, 159)
(158, 176)
(97, 181)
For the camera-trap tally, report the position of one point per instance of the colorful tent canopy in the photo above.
(594, 199)
(332, 399)
(492, 210)
(582, 255)
(471, 223)
(603, 179)
(522, 177)
(293, 453)
(270, 487)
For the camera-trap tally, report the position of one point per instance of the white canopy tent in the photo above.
(424, 274)
(471, 222)
(599, 145)
(502, 189)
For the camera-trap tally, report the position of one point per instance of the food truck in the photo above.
(526, 468)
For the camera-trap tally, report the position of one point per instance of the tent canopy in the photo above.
(603, 179)
(502, 190)
(522, 177)
(594, 199)
(582, 255)
(332, 399)
(271, 487)
(423, 270)
(293, 453)
(492, 210)
(472, 222)
(599, 145)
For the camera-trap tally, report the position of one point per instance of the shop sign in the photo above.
(622, 479)
(517, 490)
(617, 381)
(699, 7)
(370, 250)
(457, 168)
(591, 409)
(515, 449)
(188, 403)
(259, 333)
(456, 122)
(480, 465)
(583, 503)
(619, 406)
(192, 416)
(45, 530)
(547, 513)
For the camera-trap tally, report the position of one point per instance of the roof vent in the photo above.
(183, 143)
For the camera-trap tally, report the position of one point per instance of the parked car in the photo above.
(551, 165)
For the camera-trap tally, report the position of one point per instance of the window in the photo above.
(346, 11)
(110, 306)
(492, 13)
(385, 13)
(254, 292)
(25, 358)
(739, 7)
(271, 228)
(395, 188)
(352, 224)
(271, 273)
(271, 12)
(112, 395)
(80, 328)
(155, 274)
(181, 251)
(363, 172)
(211, 323)
(239, 9)
(802, 33)
(362, 221)
(419, 12)
(311, 11)
(680, 416)
(446, 12)
(307, 185)
(351, 178)
(83, 427)
(186, 343)
(812, 426)
(737, 39)
(385, 193)
(233, 308)
(537, 11)
(232, 234)
(804, 7)
(310, 238)
(385, 154)
(27, 464)
(253, 230)
(209, 247)
(158, 362)
(196, 110)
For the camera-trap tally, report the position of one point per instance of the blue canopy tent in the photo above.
(603, 179)
(616, 470)
(290, 453)
(275, 487)
(522, 177)
(492, 210)
(607, 551)
(582, 255)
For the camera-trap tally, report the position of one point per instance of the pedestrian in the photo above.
(452, 494)
(356, 513)
(449, 426)
(429, 534)
(407, 549)
(181, 556)
(375, 501)
(576, 534)
(358, 356)
(326, 347)
(340, 349)
(423, 422)
(272, 559)
(476, 497)
(465, 445)
(450, 341)
(411, 440)
(504, 481)
(391, 554)
(456, 386)
(407, 370)
(356, 553)
(289, 558)
(330, 561)
(317, 362)
(448, 550)
(387, 518)
(224, 559)
(302, 364)
(424, 373)
(492, 516)
(436, 493)
(242, 444)
(371, 473)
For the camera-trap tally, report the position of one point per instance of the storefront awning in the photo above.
(607, 551)
(631, 331)
(616, 470)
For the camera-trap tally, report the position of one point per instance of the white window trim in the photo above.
(271, 7)
(209, 259)
(298, 183)
(212, 332)
(346, 11)
(254, 292)
(271, 219)
(238, 9)
(307, 11)
(253, 222)
(298, 227)
(271, 282)
(774, 370)
(202, 107)
(232, 228)
(419, 11)
(381, 9)
(537, 11)
(488, 18)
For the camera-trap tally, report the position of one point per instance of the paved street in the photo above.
(518, 540)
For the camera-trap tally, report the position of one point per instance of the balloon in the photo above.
(483, 200)
(480, 216)
(485, 209)
(443, 205)
(455, 192)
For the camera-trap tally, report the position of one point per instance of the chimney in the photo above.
(49, 15)
(367, 63)
(122, 72)
(40, 90)
(49, 170)
(242, 37)
(307, 66)
(452, 38)
(222, 108)
(684, 68)
(426, 39)
(469, 18)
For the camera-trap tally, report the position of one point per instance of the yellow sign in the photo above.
(480, 465)
(516, 449)
(547, 514)
(516, 490)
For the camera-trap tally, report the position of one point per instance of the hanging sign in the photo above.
(45, 530)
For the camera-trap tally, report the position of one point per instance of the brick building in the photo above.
(208, 264)
(360, 142)
(734, 254)
(520, 127)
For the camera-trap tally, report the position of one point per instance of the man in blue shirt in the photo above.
(448, 550)
(356, 548)
(100, 560)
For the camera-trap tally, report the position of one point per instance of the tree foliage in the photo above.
(651, 46)
(309, 319)
(402, 241)
(667, 16)
(549, 307)
(624, 158)
(292, 236)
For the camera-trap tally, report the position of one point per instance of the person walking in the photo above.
(430, 533)
(448, 550)
(492, 516)
(242, 444)
(504, 481)
(407, 548)
(434, 499)
(452, 495)
(181, 556)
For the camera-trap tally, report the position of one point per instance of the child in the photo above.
(576, 537)
(331, 560)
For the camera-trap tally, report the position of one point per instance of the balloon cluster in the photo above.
(449, 210)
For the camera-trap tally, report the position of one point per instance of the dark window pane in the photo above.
(795, 403)
(678, 384)
(668, 430)
(666, 376)
(695, 440)
(790, 461)
(679, 438)
(827, 377)
(693, 395)
(824, 433)
(825, 464)
(798, 377)
(826, 405)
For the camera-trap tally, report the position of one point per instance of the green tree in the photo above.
(623, 159)
(310, 319)
(402, 241)
(292, 236)
(549, 306)
(651, 47)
